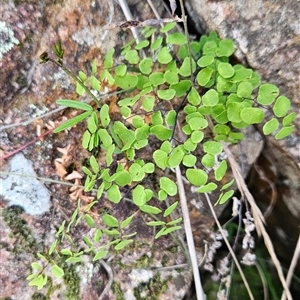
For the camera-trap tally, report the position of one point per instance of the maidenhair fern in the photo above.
(215, 101)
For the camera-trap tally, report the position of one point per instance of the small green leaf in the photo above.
(150, 209)
(138, 195)
(181, 87)
(148, 103)
(168, 186)
(86, 139)
(170, 209)
(112, 232)
(210, 98)
(205, 61)
(196, 177)
(82, 76)
(227, 185)
(123, 178)
(185, 69)
(145, 65)
(108, 61)
(164, 56)
(42, 257)
(157, 118)
(234, 111)
(171, 77)
(208, 160)
(100, 254)
(38, 281)
(142, 44)
(149, 168)
(36, 266)
(98, 235)
(166, 146)
(166, 94)
(267, 93)
(244, 90)
(189, 160)
(132, 56)
(104, 137)
(125, 111)
(189, 145)
(209, 47)
(121, 70)
(130, 101)
(93, 122)
(123, 244)
(225, 70)
(113, 194)
(168, 27)
(126, 222)
(52, 247)
(176, 221)
(94, 164)
(126, 82)
(156, 44)
(136, 172)
(161, 132)
(104, 115)
(196, 122)
(148, 31)
(281, 106)
(176, 156)
(270, 126)
(57, 271)
(207, 188)
(197, 136)
(72, 122)
(160, 158)
(80, 90)
(166, 231)
(74, 260)
(224, 197)
(90, 221)
(171, 118)
(109, 155)
(74, 104)
(194, 97)
(66, 252)
(157, 78)
(95, 83)
(162, 195)
(110, 220)
(221, 170)
(212, 147)
(252, 115)
(156, 223)
(176, 38)
(289, 119)
(226, 48)
(284, 132)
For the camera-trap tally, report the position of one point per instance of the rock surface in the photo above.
(26, 190)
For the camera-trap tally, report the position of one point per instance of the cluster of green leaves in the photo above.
(231, 96)
(217, 99)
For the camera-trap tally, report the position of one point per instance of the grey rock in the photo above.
(25, 190)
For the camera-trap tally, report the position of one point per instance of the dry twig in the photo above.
(258, 218)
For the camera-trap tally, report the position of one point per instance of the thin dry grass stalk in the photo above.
(258, 218)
